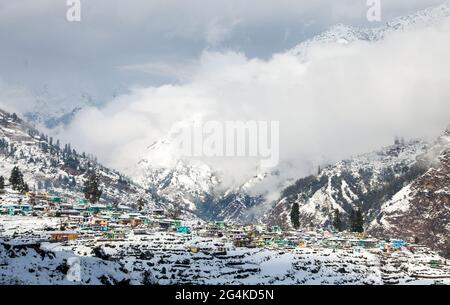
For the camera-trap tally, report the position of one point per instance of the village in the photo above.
(58, 222)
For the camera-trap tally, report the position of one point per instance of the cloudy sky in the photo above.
(119, 44)
(151, 64)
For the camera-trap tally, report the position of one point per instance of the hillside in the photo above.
(50, 167)
(421, 210)
(362, 182)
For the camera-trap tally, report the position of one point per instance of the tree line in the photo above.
(16, 181)
(356, 219)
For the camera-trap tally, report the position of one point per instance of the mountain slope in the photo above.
(198, 187)
(344, 34)
(421, 210)
(194, 187)
(48, 167)
(363, 182)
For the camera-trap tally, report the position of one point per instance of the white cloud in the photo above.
(345, 99)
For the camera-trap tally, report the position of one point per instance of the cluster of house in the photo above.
(80, 220)
(257, 236)
(82, 217)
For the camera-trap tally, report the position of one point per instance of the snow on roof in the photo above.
(124, 207)
(62, 232)
(100, 206)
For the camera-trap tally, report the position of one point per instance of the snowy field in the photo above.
(26, 257)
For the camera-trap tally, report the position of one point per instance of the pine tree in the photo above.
(295, 215)
(17, 182)
(352, 220)
(16, 179)
(337, 223)
(24, 188)
(92, 190)
(357, 221)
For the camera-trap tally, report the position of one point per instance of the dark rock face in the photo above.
(425, 213)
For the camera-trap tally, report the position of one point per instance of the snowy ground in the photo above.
(26, 257)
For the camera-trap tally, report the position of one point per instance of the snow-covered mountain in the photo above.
(344, 34)
(186, 185)
(362, 182)
(50, 166)
(50, 109)
(421, 210)
(195, 186)
(401, 190)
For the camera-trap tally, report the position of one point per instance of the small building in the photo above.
(65, 206)
(79, 207)
(183, 230)
(99, 225)
(194, 249)
(55, 199)
(63, 235)
(257, 243)
(13, 209)
(220, 250)
(97, 208)
(367, 243)
(398, 243)
(25, 208)
(124, 208)
(145, 220)
(101, 222)
(220, 224)
(164, 224)
(134, 222)
(68, 213)
(127, 220)
(37, 195)
(276, 229)
(158, 212)
(242, 241)
(176, 223)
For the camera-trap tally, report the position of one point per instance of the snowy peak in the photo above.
(421, 18)
(344, 34)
